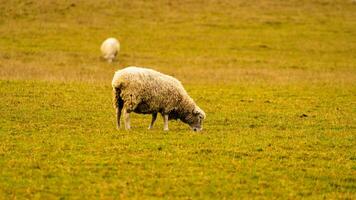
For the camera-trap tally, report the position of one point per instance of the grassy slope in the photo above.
(255, 68)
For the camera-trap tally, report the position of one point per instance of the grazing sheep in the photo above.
(110, 48)
(146, 91)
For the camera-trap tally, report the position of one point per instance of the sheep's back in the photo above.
(110, 46)
(160, 91)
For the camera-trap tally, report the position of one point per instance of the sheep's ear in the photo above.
(195, 111)
(198, 111)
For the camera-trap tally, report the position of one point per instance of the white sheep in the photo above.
(110, 48)
(146, 91)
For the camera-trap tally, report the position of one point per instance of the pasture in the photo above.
(276, 79)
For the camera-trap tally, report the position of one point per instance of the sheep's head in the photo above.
(195, 119)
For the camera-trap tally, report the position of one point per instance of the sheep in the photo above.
(146, 91)
(110, 48)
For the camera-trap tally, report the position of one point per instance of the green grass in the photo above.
(277, 80)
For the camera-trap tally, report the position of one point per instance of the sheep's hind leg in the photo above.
(118, 115)
(127, 119)
(118, 112)
(154, 117)
(165, 118)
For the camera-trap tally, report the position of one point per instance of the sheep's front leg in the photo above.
(154, 117)
(127, 119)
(165, 118)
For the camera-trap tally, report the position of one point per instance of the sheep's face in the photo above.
(196, 118)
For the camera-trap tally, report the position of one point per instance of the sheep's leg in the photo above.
(165, 118)
(118, 111)
(118, 104)
(112, 57)
(127, 119)
(118, 115)
(154, 117)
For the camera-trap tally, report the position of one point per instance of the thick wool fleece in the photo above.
(110, 48)
(147, 91)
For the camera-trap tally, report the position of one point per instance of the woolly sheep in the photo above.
(110, 48)
(146, 91)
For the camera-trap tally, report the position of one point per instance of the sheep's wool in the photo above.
(110, 48)
(147, 91)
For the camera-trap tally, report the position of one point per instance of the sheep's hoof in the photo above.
(166, 129)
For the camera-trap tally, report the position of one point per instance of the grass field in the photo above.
(277, 80)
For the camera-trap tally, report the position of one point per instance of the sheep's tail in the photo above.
(117, 86)
(117, 101)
